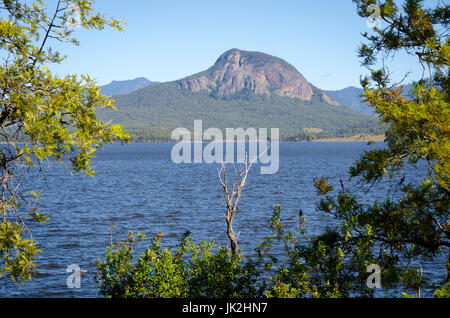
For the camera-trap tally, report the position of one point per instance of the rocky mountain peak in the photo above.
(236, 70)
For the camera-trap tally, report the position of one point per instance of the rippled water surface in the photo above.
(138, 188)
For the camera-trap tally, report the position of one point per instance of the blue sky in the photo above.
(166, 40)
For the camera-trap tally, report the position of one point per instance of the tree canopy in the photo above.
(55, 114)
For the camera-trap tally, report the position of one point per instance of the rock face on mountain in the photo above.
(262, 74)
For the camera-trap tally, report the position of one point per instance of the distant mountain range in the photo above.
(351, 97)
(242, 89)
(126, 87)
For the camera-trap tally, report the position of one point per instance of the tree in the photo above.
(412, 225)
(418, 125)
(415, 224)
(232, 198)
(56, 116)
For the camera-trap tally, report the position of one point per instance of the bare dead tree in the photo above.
(232, 197)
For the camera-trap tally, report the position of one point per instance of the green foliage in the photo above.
(55, 115)
(190, 271)
(443, 292)
(323, 266)
(322, 186)
(392, 234)
(418, 125)
(415, 224)
(16, 253)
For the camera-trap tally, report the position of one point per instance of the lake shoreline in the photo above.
(371, 138)
(358, 138)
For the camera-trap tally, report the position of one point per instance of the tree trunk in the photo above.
(232, 238)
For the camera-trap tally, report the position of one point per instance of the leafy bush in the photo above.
(190, 271)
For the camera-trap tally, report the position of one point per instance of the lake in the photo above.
(138, 188)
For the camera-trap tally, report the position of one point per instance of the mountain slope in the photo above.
(125, 87)
(351, 97)
(242, 89)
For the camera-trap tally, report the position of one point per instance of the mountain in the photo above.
(126, 87)
(260, 73)
(351, 97)
(242, 89)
